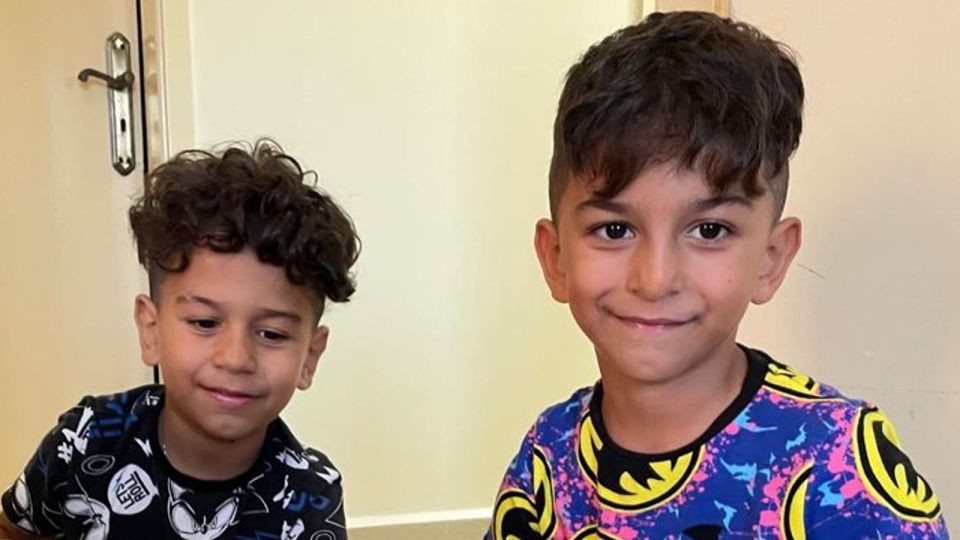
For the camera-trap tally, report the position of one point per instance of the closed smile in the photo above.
(229, 397)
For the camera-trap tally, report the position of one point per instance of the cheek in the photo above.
(281, 367)
(169, 348)
(727, 279)
(180, 346)
(177, 378)
(593, 271)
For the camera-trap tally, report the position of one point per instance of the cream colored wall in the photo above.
(430, 122)
(872, 305)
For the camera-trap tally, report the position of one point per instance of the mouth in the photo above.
(654, 324)
(229, 397)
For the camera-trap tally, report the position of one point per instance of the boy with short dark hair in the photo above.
(668, 180)
(242, 256)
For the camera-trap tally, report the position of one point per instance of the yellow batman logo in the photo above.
(792, 526)
(887, 472)
(784, 380)
(632, 485)
(519, 516)
(591, 532)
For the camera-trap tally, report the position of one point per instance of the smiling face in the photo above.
(233, 338)
(659, 276)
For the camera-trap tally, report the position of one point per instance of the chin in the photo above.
(655, 367)
(652, 375)
(229, 432)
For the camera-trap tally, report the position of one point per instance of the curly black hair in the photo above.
(240, 196)
(693, 88)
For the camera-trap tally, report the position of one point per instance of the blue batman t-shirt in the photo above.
(790, 459)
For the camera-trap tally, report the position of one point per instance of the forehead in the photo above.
(236, 279)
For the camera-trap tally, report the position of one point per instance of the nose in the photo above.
(654, 270)
(235, 351)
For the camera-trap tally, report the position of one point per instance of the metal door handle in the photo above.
(121, 82)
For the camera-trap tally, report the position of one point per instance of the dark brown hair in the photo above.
(692, 88)
(240, 197)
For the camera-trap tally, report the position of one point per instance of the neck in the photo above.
(199, 456)
(655, 418)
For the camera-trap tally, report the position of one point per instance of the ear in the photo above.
(546, 241)
(318, 344)
(145, 315)
(782, 247)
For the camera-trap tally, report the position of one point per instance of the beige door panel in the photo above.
(68, 270)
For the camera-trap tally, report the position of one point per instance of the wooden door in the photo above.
(68, 270)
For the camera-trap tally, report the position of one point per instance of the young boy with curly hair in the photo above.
(667, 183)
(242, 256)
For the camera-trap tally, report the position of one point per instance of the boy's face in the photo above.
(233, 338)
(659, 276)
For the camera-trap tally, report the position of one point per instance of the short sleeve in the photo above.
(865, 486)
(332, 519)
(524, 507)
(32, 502)
(323, 511)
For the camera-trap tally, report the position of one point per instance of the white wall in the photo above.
(430, 122)
(877, 183)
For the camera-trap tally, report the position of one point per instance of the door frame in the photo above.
(166, 83)
(166, 79)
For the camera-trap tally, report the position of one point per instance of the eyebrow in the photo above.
(263, 313)
(696, 207)
(721, 200)
(185, 298)
(603, 204)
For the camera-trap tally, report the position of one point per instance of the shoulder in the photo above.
(322, 470)
(85, 440)
(870, 460)
(549, 439)
(560, 419)
(793, 384)
(788, 397)
(861, 481)
(308, 482)
(304, 466)
(787, 412)
(848, 456)
(524, 503)
(128, 404)
(95, 423)
(830, 421)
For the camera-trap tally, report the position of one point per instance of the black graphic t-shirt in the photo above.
(101, 474)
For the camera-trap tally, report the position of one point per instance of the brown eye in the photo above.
(203, 324)
(615, 231)
(273, 337)
(710, 231)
